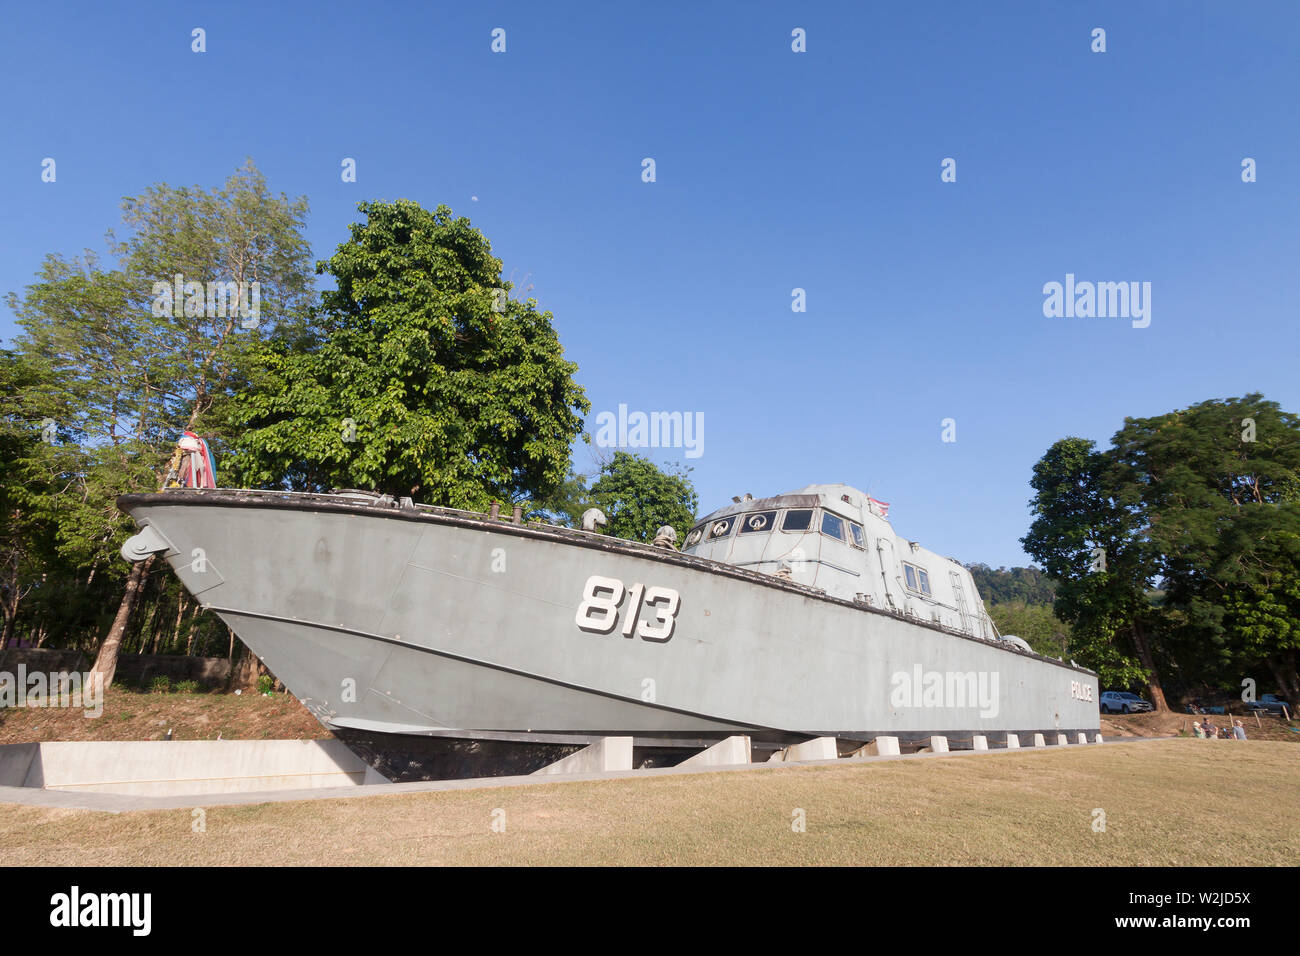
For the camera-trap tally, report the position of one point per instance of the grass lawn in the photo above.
(1173, 802)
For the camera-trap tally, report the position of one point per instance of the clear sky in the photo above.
(775, 170)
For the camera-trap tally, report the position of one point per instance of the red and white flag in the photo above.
(879, 506)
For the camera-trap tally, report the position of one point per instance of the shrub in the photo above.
(160, 684)
(187, 687)
(265, 683)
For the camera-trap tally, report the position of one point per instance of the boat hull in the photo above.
(384, 620)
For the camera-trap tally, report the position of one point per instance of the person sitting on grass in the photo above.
(1200, 731)
(1211, 731)
(1238, 731)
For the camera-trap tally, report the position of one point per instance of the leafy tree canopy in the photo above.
(638, 498)
(429, 380)
(1026, 585)
(1204, 503)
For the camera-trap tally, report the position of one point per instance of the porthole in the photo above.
(758, 521)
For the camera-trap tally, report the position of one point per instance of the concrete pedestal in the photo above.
(880, 747)
(608, 753)
(733, 750)
(819, 748)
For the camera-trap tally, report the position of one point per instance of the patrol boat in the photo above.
(436, 641)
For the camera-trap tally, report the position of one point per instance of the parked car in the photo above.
(1122, 702)
(1268, 703)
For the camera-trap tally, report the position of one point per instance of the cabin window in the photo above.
(832, 525)
(721, 528)
(694, 536)
(859, 536)
(797, 520)
(917, 579)
(759, 521)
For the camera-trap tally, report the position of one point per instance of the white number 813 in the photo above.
(598, 612)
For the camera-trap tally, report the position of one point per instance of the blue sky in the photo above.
(775, 170)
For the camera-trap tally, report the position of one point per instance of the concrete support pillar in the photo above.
(1082, 738)
(819, 748)
(880, 747)
(733, 750)
(1039, 741)
(979, 742)
(608, 753)
(1096, 738)
(939, 745)
(1013, 742)
(1062, 740)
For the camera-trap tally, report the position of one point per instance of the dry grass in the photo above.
(135, 715)
(1176, 802)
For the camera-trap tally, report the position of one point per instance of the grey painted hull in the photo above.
(437, 622)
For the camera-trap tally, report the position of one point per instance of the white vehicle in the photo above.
(1122, 702)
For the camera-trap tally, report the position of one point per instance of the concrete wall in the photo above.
(15, 762)
(46, 660)
(168, 768)
(133, 670)
(139, 669)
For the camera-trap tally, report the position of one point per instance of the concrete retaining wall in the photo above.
(15, 762)
(46, 660)
(139, 669)
(174, 767)
(133, 670)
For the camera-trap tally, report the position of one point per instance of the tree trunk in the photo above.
(180, 616)
(146, 626)
(1284, 672)
(1153, 678)
(11, 617)
(247, 670)
(189, 638)
(106, 661)
(10, 605)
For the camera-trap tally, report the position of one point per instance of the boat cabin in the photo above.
(837, 538)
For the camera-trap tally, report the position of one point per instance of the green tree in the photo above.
(638, 498)
(1203, 502)
(1036, 623)
(430, 381)
(1095, 547)
(122, 371)
(1218, 484)
(565, 503)
(1004, 585)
